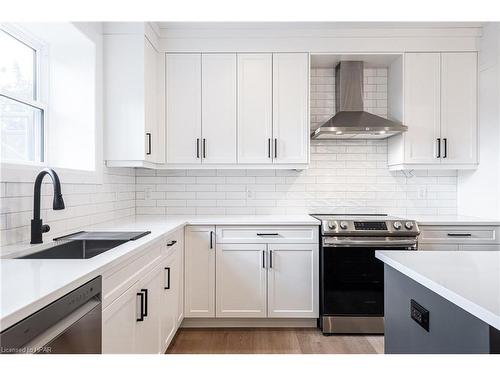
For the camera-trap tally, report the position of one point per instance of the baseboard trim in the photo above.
(242, 322)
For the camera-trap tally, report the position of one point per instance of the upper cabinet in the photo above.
(440, 110)
(273, 124)
(133, 96)
(230, 110)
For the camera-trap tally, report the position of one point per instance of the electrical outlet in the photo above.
(422, 192)
(147, 192)
(250, 193)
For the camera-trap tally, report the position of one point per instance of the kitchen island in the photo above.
(442, 301)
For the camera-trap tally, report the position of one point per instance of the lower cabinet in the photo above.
(293, 281)
(145, 318)
(241, 280)
(267, 280)
(131, 323)
(459, 237)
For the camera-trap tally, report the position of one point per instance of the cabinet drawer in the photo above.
(268, 234)
(459, 234)
(120, 278)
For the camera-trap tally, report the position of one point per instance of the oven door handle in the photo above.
(371, 243)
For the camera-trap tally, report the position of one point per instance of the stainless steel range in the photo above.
(351, 278)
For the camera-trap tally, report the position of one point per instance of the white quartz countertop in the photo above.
(454, 220)
(469, 279)
(27, 285)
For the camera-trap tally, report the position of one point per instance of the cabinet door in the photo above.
(168, 300)
(437, 247)
(183, 108)
(219, 108)
(199, 285)
(459, 107)
(119, 321)
(178, 278)
(254, 108)
(422, 107)
(154, 132)
(293, 281)
(241, 280)
(290, 107)
(148, 330)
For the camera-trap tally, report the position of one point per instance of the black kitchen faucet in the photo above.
(37, 228)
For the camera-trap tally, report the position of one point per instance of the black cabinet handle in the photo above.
(275, 148)
(445, 140)
(168, 278)
(204, 148)
(439, 148)
(197, 148)
(270, 259)
(149, 143)
(141, 296)
(211, 240)
(171, 243)
(145, 301)
(263, 259)
(267, 234)
(269, 148)
(459, 235)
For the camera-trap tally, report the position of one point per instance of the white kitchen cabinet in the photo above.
(293, 281)
(440, 110)
(199, 285)
(133, 96)
(459, 108)
(130, 324)
(119, 322)
(241, 280)
(290, 108)
(169, 300)
(218, 108)
(183, 108)
(178, 279)
(148, 330)
(255, 106)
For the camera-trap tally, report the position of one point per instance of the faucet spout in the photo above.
(37, 228)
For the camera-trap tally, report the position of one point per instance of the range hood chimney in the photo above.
(351, 121)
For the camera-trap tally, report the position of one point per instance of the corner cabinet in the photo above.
(440, 110)
(134, 131)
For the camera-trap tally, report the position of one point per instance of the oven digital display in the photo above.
(370, 225)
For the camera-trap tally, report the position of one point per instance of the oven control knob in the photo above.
(343, 224)
(409, 225)
(397, 225)
(332, 225)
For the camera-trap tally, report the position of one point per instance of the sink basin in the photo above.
(80, 249)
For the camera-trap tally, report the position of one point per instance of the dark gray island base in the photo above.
(430, 324)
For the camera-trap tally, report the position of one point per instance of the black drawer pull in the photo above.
(141, 318)
(270, 259)
(459, 235)
(171, 243)
(268, 234)
(438, 147)
(263, 259)
(211, 239)
(145, 301)
(149, 144)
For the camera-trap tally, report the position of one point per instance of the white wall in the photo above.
(479, 191)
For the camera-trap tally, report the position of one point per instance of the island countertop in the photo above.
(469, 279)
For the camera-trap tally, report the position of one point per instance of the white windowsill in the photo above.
(24, 172)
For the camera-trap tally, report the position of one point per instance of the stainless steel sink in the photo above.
(76, 250)
(85, 245)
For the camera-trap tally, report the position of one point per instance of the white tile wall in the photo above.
(344, 176)
(85, 204)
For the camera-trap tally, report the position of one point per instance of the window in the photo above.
(21, 111)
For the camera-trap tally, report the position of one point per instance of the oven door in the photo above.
(352, 281)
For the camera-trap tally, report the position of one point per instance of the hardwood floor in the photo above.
(271, 341)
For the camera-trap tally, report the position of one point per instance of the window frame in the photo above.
(40, 101)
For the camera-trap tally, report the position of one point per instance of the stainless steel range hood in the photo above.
(351, 121)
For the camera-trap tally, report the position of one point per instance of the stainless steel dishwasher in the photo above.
(69, 325)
